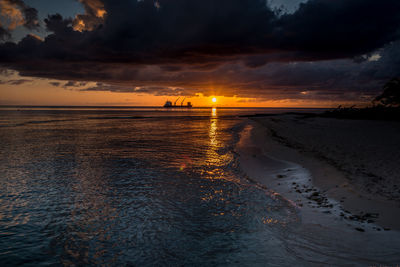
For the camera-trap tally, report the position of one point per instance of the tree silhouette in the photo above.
(390, 96)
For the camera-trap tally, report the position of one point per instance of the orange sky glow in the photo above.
(38, 91)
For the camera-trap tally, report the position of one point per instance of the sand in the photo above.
(342, 175)
(356, 163)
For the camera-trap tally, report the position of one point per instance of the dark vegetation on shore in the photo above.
(368, 113)
(385, 106)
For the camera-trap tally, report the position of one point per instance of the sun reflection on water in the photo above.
(214, 112)
(212, 133)
(216, 159)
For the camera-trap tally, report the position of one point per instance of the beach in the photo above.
(342, 175)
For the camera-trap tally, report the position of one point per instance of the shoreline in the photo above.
(327, 232)
(318, 186)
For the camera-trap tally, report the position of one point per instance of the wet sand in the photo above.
(335, 209)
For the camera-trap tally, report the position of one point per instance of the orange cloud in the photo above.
(11, 14)
(94, 15)
(14, 13)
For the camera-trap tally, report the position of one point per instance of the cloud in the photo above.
(30, 14)
(208, 31)
(93, 17)
(56, 84)
(17, 13)
(74, 84)
(236, 46)
(10, 12)
(58, 25)
(16, 81)
(285, 6)
(154, 90)
(4, 33)
(340, 29)
(6, 72)
(108, 88)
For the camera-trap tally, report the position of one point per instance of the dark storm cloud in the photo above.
(208, 31)
(197, 44)
(340, 28)
(387, 66)
(58, 25)
(4, 34)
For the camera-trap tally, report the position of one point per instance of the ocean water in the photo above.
(134, 186)
(154, 187)
(141, 187)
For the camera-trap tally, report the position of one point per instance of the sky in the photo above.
(272, 53)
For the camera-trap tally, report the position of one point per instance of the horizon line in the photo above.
(113, 106)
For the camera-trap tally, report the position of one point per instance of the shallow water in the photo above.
(140, 187)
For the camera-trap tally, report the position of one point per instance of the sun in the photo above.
(214, 100)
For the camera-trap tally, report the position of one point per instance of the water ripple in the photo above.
(138, 192)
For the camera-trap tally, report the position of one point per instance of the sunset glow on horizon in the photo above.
(39, 93)
(48, 92)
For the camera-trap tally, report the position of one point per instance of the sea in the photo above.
(135, 186)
